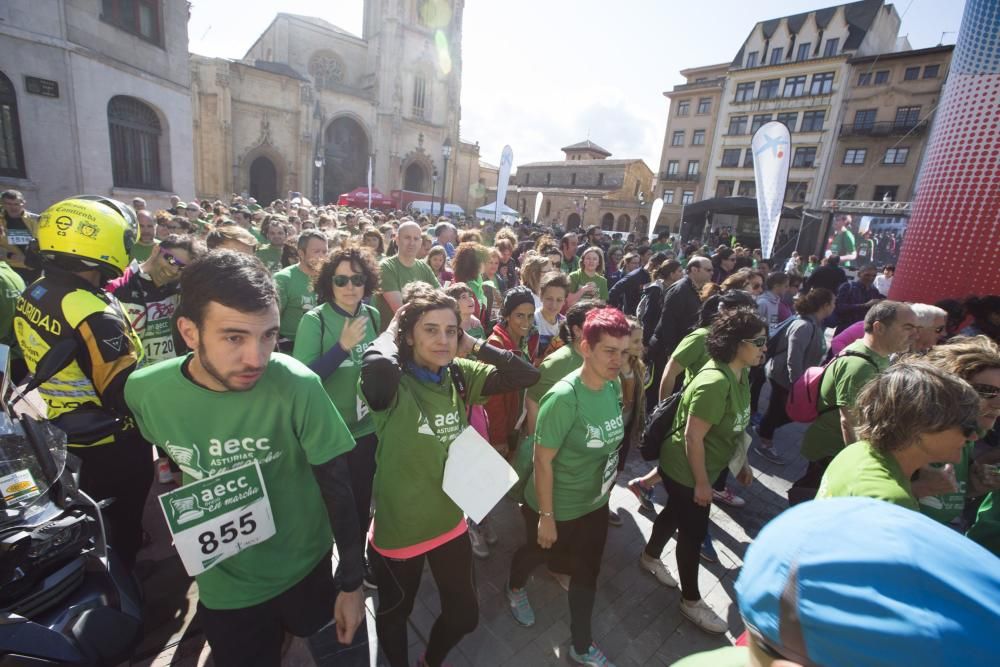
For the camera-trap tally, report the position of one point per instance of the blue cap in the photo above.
(863, 582)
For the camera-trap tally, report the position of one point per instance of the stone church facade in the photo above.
(310, 104)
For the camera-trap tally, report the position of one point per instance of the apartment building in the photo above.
(887, 112)
(692, 115)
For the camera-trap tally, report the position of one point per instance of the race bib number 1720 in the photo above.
(216, 518)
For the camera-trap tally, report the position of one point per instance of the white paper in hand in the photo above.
(476, 477)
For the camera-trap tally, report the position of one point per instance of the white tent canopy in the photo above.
(489, 212)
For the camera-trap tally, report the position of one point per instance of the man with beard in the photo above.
(267, 415)
(296, 295)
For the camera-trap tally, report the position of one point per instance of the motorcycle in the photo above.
(65, 598)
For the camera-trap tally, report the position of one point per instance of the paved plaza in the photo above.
(636, 620)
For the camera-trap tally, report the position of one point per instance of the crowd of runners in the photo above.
(338, 354)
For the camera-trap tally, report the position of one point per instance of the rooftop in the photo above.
(587, 145)
(582, 163)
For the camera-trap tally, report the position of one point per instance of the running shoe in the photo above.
(486, 530)
(658, 569)
(614, 518)
(594, 657)
(708, 552)
(479, 548)
(769, 453)
(520, 607)
(727, 497)
(704, 617)
(644, 494)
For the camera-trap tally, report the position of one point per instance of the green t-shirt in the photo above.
(586, 428)
(949, 506)
(842, 382)
(718, 397)
(570, 266)
(553, 368)
(578, 279)
(319, 330)
(141, 251)
(661, 247)
(394, 276)
(843, 244)
(986, 529)
(866, 251)
(287, 423)
(11, 287)
(728, 656)
(862, 471)
(692, 353)
(296, 297)
(271, 256)
(414, 434)
(257, 235)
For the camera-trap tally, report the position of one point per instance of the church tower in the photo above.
(415, 66)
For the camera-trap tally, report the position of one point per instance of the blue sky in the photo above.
(541, 74)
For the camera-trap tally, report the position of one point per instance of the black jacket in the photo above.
(626, 293)
(679, 315)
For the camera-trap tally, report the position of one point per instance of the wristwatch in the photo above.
(548, 514)
(477, 346)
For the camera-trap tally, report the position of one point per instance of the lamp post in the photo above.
(517, 199)
(445, 153)
(642, 204)
(318, 163)
(583, 216)
(434, 183)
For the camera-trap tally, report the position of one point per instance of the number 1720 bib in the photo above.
(216, 518)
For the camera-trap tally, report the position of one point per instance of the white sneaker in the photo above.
(479, 548)
(658, 569)
(704, 617)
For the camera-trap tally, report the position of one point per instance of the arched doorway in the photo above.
(573, 221)
(415, 178)
(642, 225)
(623, 222)
(608, 221)
(346, 151)
(263, 181)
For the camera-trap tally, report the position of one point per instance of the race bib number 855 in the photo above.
(216, 518)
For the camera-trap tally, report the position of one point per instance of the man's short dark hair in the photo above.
(885, 312)
(190, 244)
(308, 235)
(14, 195)
(232, 279)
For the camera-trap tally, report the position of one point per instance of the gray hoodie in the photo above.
(804, 345)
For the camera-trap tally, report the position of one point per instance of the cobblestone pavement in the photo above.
(636, 621)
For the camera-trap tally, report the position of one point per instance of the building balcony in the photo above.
(884, 129)
(679, 178)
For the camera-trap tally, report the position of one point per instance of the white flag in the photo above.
(772, 147)
(506, 162)
(369, 181)
(538, 207)
(654, 215)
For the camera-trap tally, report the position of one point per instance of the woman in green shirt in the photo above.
(709, 427)
(578, 435)
(419, 388)
(588, 281)
(330, 340)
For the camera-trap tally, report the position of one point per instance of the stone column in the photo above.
(952, 244)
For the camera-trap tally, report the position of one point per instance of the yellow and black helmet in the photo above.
(88, 232)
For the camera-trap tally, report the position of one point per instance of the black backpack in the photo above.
(774, 342)
(659, 424)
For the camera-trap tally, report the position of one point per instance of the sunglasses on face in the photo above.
(986, 392)
(355, 279)
(172, 261)
(759, 341)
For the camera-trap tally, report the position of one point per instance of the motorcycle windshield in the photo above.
(24, 479)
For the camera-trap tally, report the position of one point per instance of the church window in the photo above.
(11, 155)
(326, 69)
(135, 143)
(139, 17)
(419, 96)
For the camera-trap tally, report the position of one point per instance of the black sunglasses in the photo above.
(172, 261)
(986, 392)
(759, 341)
(356, 279)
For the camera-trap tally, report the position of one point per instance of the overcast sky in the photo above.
(541, 74)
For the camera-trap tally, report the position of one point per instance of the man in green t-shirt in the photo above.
(844, 243)
(144, 245)
(244, 406)
(270, 254)
(398, 271)
(296, 294)
(890, 327)
(567, 246)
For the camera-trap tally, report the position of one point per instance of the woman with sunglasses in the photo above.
(707, 431)
(909, 416)
(330, 339)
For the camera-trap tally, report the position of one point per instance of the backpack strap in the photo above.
(458, 379)
(819, 389)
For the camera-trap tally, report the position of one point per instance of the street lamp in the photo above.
(517, 199)
(583, 218)
(445, 153)
(434, 183)
(318, 163)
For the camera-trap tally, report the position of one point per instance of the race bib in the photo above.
(19, 237)
(610, 473)
(218, 517)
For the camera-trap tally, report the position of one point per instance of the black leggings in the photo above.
(398, 583)
(776, 416)
(361, 463)
(689, 520)
(123, 470)
(757, 379)
(580, 543)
